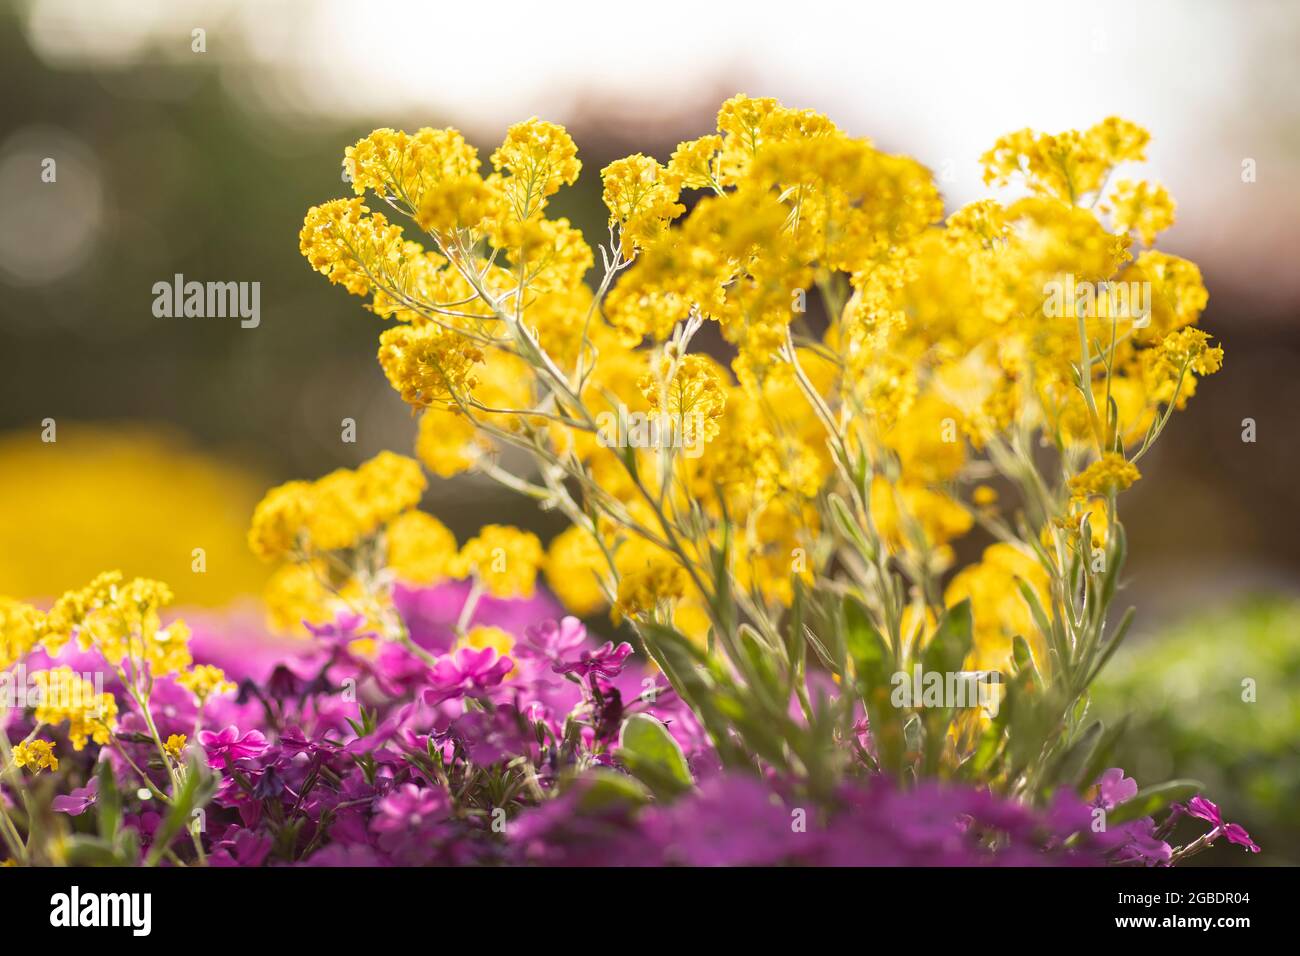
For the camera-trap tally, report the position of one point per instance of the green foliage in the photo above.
(1184, 690)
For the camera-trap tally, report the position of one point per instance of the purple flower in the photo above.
(294, 741)
(1141, 845)
(342, 631)
(467, 671)
(574, 829)
(408, 819)
(345, 854)
(606, 661)
(1113, 788)
(489, 738)
(730, 821)
(554, 639)
(409, 806)
(1204, 809)
(78, 801)
(241, 847)
(226, 747)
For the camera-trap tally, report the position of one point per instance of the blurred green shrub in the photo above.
(1186, 689)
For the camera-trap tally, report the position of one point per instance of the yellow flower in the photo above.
(69, 612)
(774, 550)
(504, 559)
(575, 566)
(928, 440)
(404, 167)
(18, 630)
(204, 681)
(914, 517)
(950, 349)
(174, 745)
(280, 519)
(36, 756)
(1145, 207)
(647, 577)
(460, 203)
(429, 365)
(742, 120)
(1065, 165)
(65, 695)
(120, 620)
(338, 510)
(485, 636)
(387, 485)
(344, 242)
(448, 443)
(689, 392)
(641, 197)
(1107, 475)
(1178, 294)
(421, 549)
(297, 593)
(694, 163)
(537, 157)
(551, 255)
(999, 610)
(1190, 348)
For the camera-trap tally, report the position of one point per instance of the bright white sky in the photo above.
(1214, 81)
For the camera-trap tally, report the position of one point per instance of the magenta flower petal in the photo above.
(78, 801)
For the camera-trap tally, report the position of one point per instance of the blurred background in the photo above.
(173, 160)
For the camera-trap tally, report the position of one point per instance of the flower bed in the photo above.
(808, 675)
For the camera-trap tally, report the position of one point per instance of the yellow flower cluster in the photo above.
(641, 196)
(428, 365)
(1069, 165)
(120, 619)
(504, 560)
(36, 756)
(1105, 476)
(421, 550)
(204, 681)
(345, 538)
(689, 392)
(846, 451)
(337, 511)
(19, 630)
(64, 695)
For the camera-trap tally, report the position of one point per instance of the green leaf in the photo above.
(947, 650)
(1100, 755)
(83, 850)
(653, 756)
(685, 668)
(108, 802)
(1114, 563)
(1029, 719)
(199, 786)
(1024, 658)
(944, 655)
(723, 602)
(1112, 645)
(848, 526)
(1070, 762)
(1149, 800)
(874, 667)
(1048, 627)
(606, 788)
